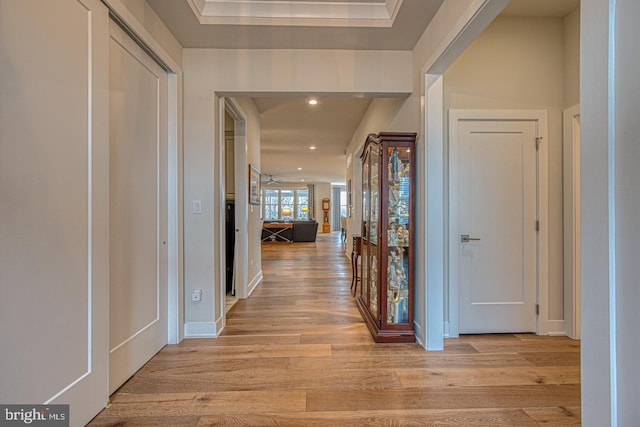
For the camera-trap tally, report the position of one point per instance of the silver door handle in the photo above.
(464, 238)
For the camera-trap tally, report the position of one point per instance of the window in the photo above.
(270, 203)
(302, 204)
(293, 201)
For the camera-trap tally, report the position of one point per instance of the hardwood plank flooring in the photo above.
(297, 353)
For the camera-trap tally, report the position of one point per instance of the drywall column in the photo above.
(610, 198)
(626, 97)
(596, 247)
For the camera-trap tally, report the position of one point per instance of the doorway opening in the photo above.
(230, 212)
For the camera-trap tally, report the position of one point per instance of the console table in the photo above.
(275, 229)
(356, 249)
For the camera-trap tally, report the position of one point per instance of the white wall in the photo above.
(282, 71)
(211, 73)
(571, 37)
(519, 63)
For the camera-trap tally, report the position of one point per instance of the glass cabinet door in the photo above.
(374, 228)
(364, 276)
(398, 232)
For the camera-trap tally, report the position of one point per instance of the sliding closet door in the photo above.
(137, 208)
(53, 204)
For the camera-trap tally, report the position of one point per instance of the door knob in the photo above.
(464, 238)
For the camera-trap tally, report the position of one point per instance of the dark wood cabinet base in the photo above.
(386, 335)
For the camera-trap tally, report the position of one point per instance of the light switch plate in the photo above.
(197, 207)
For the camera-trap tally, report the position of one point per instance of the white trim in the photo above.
(571, 179)
(241, 167)
(611, 202)
(200, 330)
(296, 13)
(219, 213)
(419, 334)
(432, 214)
(255, 282)
(175, 259)
(557, 328)
(540, 117)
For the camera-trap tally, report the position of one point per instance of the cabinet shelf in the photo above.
(386, 302)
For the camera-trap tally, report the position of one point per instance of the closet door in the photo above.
(54, 204)
(137, 208)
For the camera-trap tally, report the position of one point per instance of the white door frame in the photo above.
(241, 174)
(571, 179)
(175, 220)
(540, 118)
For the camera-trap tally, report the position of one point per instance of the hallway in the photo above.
(297, 353)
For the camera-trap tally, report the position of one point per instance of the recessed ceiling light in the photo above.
(302, 180)
(313, 101)
(313, 147)
(299, 169)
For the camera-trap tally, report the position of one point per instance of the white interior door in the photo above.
(137, 208)
(496, 239)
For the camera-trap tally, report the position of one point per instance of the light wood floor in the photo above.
(297, 353)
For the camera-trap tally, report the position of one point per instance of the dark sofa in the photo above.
(302, 231)
(305, 231)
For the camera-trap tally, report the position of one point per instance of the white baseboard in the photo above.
(417, 330)
(255, 282)
(447, 330)
(556, 328)
(200, 330)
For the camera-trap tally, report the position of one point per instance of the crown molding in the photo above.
(296, 13)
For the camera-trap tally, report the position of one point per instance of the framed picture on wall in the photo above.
(349, 198)
(254, 186)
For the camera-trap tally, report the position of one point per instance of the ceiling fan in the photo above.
(272, 181)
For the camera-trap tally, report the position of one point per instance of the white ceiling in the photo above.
(289, 125)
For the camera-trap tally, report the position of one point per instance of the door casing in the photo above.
(571, 177)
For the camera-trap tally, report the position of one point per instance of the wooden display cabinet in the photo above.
(387, 268)
(326, 206)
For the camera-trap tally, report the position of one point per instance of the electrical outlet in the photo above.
(196, 295)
